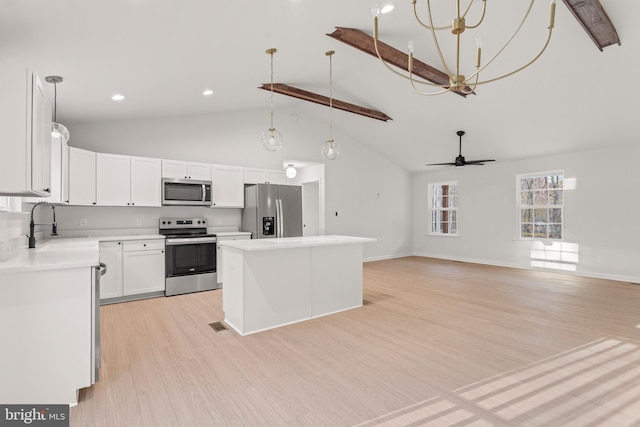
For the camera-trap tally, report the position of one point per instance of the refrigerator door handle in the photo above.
(278, 218)
(281, 218)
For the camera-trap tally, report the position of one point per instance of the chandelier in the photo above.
(459, 82)
(271, 138)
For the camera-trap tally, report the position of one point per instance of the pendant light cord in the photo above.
(55, 102)
(330, 55)
(271, 114)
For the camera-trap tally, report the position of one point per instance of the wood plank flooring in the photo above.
(437, 343)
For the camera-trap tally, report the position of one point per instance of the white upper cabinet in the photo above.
(228, 187)
(186, 170)
(26, 133)
(127, 181)
(113, 180)
(82, 177)
(146, 188)
(264, 176)
(59, 171)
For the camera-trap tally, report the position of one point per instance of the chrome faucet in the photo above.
(54, 225)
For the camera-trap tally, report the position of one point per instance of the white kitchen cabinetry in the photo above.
(227, 236)
(59, 171)
(135, 269)
(127, 181)
(264, 176)
(111, 282)
(113, 180)
(186, 170)
(26, 133)
(143, 266)
(146, 188)
(82, 177)
(228, 186)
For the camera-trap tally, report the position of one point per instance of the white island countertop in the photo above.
(293, 242)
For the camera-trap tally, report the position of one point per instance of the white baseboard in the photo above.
(382, 258)
(594, 275)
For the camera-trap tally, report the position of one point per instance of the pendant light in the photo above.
(330, 149)
(58, 130)
(272, 138)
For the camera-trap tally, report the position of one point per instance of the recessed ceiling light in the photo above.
(207, 92)
(117, 97)
(386, 8)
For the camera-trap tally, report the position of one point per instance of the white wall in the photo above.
(352, 182)
(602, 215)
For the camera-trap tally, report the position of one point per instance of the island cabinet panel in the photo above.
(271, 301)
(46, 328)
(332, 289)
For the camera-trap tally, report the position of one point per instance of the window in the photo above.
(541, 206)
(443, 208)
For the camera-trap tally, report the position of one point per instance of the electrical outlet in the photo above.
(139, 222)
(83, 222)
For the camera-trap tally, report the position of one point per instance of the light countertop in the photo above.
(61, 253)
(293, 242)
(232, 233)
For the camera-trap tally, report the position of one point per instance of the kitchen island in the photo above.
(275, 282)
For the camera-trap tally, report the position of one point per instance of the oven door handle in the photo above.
(190, 240)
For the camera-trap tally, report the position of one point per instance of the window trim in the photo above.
(519, 206)
(430, 209)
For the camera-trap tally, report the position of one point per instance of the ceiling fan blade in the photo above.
(441, 164)
(478, 162)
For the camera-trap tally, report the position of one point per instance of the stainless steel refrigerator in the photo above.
(272, 211)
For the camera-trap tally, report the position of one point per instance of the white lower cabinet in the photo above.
(135, 268)
(219, 252)
(143, 266)
(111, 281)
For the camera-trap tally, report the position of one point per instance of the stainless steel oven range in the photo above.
(190, 262)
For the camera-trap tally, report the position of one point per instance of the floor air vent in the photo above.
(217, 326)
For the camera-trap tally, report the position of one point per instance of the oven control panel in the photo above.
(166, 223)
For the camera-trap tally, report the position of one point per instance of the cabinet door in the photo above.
(113, 179)
(201, 171)
(228, 187)
(219, 262)
(40, 139)
(174, 169)
(255, 176)
(56, 171)
(26, 122)
(111, 282)
(64, 174)
(276, 177)
(82, 177)
(143, 270)
(146, 182)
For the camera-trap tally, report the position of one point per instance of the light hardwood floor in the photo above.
(436, 343)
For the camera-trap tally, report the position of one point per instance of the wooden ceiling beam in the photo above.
(324, 100)
(365, 43)
(595, 21)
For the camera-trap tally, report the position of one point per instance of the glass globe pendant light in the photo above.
(58, 130)
(330, 149)
(272, 138)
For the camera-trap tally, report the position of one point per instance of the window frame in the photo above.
(431, 209)
(548, 207)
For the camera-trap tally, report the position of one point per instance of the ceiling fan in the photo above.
(460, 160)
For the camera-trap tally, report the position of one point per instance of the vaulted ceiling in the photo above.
(162, 54)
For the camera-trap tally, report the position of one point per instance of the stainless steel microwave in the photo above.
(185, 192)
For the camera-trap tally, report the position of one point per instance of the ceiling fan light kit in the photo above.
(458, 82)
(460, 160)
